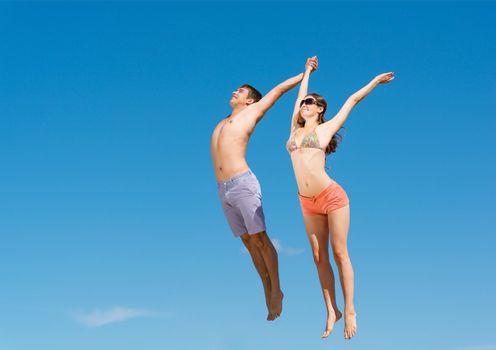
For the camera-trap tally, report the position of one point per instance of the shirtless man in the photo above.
(238, 187)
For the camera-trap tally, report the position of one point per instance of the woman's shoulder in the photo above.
(295, 129)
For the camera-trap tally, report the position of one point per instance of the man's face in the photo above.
(239, 97)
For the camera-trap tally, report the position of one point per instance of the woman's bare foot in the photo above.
(332, 318)
(350, 325)
(275, 308)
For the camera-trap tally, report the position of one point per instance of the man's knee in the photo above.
(245, 237)
(259, 240)
(252, 242)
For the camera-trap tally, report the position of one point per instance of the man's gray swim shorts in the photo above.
(241, 200)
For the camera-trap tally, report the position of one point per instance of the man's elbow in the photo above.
(353, 99)
(279, 90)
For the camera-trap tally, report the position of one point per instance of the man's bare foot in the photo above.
(331, 319)
(267, 292)
(270, 315)
(275, 308)
(350, 326)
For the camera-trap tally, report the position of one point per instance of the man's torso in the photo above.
(228, 145)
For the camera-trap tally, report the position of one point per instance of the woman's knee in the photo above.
(340, 255)
(320, 257)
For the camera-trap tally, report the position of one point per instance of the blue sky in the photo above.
(111, 233)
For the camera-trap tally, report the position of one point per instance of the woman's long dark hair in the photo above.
(336, 138)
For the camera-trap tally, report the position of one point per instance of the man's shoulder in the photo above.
(222, 121)
(250, 112)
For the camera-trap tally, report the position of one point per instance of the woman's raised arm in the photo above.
(332, 126)
(310, 67)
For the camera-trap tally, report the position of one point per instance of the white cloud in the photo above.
(98, 318)
(277, 244)
(293, 251)
(289, 251)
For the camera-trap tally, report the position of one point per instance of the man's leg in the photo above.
(269, 254)
(248, 200)
(259, 263)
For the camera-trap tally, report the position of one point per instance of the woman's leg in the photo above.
(339, 223)
(318, 235)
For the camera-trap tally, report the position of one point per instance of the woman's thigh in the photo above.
(339, 224)
(318, 233)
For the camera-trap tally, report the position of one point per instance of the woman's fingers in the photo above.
(385, 77)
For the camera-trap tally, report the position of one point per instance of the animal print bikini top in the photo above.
(309, 141)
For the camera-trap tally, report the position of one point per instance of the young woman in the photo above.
(324, 203)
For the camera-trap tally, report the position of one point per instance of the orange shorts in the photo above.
(332, 198)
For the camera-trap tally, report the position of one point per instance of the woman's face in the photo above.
(309, 107)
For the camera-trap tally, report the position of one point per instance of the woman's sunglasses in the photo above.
(308, 101)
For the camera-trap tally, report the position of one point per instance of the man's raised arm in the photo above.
(268, 100)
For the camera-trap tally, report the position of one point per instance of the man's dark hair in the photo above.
(252, 92)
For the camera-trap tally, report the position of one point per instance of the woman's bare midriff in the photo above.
(309, 169)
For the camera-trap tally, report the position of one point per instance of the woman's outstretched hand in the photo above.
(312, 64)
(384, 78)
